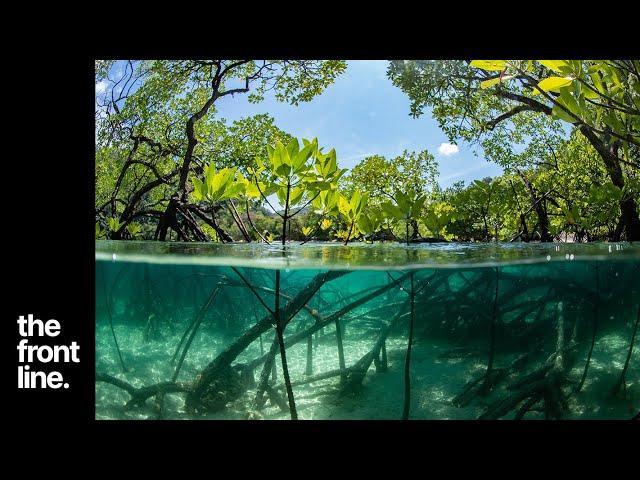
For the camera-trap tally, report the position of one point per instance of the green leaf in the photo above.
(295, 195)
(282, 195)
(392, 211)
(114, 224)
(199, 190)
(302, 156)
(220, 183)
(133, 229)
(233, 190)
(251, 190)
(282, 155)
(559, 113)
(495, 81)
(292, 148)
(567, 100)
(344, 207)
(489, 65)
(209, 174)
(364, 224)
(558, 66)
(553, 84)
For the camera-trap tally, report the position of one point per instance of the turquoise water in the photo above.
(498, 331)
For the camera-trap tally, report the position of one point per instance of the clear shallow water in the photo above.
(518, 350)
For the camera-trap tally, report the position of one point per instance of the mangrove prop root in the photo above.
(113, 332)
(140, 395)
(216, 367)
(151, 327)
(593, 332)
(544, 384)
(357, 372)
(487, 385)
(194, 329)
(276, 399)
(380, 361)
(472, 387)
(475, 387)
(301, 336)
(407, 361)
(283, 353)
(622, 383)
(267, 369)
(316, 378)
(528, 405)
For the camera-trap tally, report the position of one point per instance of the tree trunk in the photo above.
(414, 226)
(629, 223)
(539, 208)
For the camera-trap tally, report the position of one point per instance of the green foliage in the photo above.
(517, 112)
(114, 224)
(381, 177)
(143, 112)
(217, 186)
(407, 206)
(370, 221)
(437, 217)
(298, 177)
(134, 229)
(351, 210)
(100, 232)
(566, 180)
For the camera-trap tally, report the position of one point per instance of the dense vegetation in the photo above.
(567, 134)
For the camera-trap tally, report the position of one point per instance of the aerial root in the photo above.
(140, 395)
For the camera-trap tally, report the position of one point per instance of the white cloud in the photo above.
(101, 87)
(447, 149)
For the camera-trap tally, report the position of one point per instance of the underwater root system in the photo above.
(532, 382)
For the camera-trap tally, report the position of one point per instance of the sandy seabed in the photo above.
(435, 381)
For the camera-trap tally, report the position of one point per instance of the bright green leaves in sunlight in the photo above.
(558, 66)
(326, 224)
(490, 65)
(217, 186)
(298, 177)
(351, 209)
(100, 232)
(326, 203)
(552, 84)
(114, 224)
(495, 81)
(134, 229)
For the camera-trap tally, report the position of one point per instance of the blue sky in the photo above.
(362, 114)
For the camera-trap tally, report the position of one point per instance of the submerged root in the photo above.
(140, 395)
(544, 384)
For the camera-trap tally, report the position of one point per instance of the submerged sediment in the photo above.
(528, 340)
